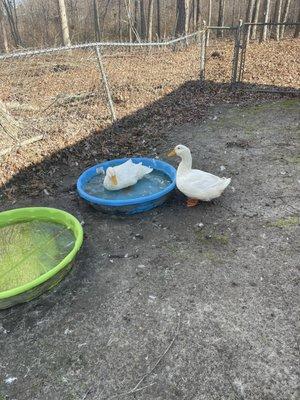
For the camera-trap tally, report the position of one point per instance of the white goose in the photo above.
(194, 183)
(124, 175)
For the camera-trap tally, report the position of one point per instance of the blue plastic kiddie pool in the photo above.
(151, 191)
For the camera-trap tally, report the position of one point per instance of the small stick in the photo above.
(136, 388)
(160, 358)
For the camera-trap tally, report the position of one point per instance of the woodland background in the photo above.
(38, 24)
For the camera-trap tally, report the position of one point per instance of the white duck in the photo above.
(124, 175)
(194, 183)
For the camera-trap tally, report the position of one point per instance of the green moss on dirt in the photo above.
(285, 222)
(248, 119)
(283, 104)
(209, 255)
(214, 238)
(294, 159)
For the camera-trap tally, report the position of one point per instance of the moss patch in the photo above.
(285, 222)
(249, 119)
(211, 238)
(209, 255)
(294, 159)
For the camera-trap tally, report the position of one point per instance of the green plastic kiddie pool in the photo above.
(37, 247)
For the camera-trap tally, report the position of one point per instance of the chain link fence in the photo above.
(65, 93)
(69, 92)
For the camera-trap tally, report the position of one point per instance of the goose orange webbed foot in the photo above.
(192, 202)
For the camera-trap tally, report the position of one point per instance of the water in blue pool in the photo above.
(150, 184)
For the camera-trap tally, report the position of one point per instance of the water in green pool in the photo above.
(150, 184)
(29, 249)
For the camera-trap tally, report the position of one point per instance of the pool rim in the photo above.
(168, 169)
(49, 214)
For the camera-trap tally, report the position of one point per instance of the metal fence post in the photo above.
(236, 54)
(244, 44)
(203, 52)
(104, 78)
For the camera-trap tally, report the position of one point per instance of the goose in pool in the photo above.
(124, 175)
(194, 183)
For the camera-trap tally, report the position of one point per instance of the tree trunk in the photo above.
(198, 14)
(180, 16)
(64, 23)
(233, 12)
(3, 31)
(192, 15)
(249, 16)
(187, 16)
(221, 18)
(278, 10)
(11, 16)
(150, 20)
(264, 32)
(135, 16)
(208, 21)
(120, 21)
(143, 19)
(130, 21)
(255, 19)
(96, 20)
(158, 19)
(285, 16)
(297, 29)
(249, 12)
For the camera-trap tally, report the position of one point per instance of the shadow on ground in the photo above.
(209, 292)
(138, 134)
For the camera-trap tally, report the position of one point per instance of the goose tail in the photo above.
(226, 182)
(143, 170)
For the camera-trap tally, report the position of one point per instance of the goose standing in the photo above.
(194, 183)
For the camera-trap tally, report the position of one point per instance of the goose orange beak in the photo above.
(172, 153)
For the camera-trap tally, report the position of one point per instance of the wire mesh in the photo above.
(219, 54)
(61, 94)
(271, 62)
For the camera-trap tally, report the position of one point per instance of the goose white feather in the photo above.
(194, 183)
(124, 175)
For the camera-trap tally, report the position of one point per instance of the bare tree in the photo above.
(233, 12)
(285, 16)
(119, 20)
(11, 13)
(208, 20)
(150, 20)
(131, 23)
(3, 30)
(158, 19)
(143, 19)
(136, 15)
(255, 19)
(297, 29)
(220, 32)
(278, 9)
(187, 16)
(264, 32)
(180, 17)
(96, 20)
(249, 16)
(198, 14)
(64, 23)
